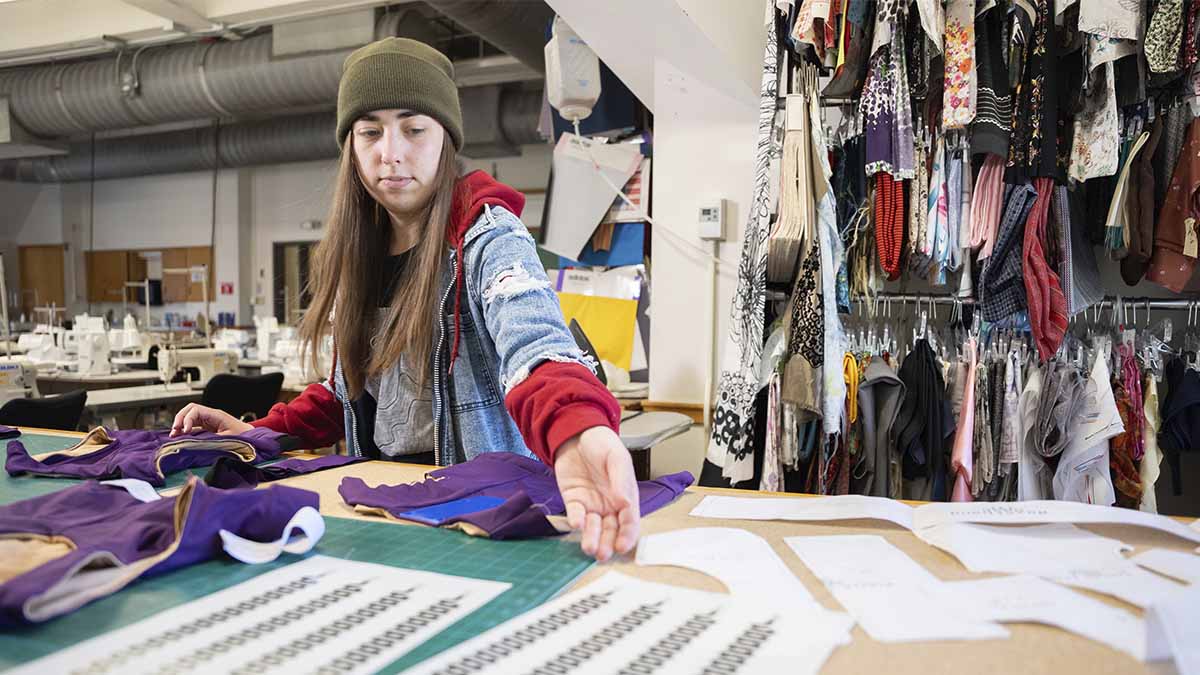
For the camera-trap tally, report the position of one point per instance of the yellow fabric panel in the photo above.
(609, 323)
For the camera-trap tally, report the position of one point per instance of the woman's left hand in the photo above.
(595, 476)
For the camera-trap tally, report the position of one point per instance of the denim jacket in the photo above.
(510, 322)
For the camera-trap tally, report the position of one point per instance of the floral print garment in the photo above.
(958, 98)
(1097, 131)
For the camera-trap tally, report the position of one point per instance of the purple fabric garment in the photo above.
(229, 474)
(9, 432)
(527, 485)
(109, 528)
(145, 455)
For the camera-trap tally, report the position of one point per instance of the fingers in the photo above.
(575, 514)
(628, 524)
(590, 543)
(608, 537)
(177, 425)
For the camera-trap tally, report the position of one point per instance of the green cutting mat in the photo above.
(537, 569)
(16, 488)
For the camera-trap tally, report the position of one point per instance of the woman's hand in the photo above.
(195, 417)
(595, 476)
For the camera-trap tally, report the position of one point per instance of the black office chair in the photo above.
(247, 398)
(53, 412)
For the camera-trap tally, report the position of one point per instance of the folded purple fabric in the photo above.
(229, 474)
(527, 486)
(71, 547)
(145, 455)
(9, 432)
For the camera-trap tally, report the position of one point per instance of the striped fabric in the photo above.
(1047, 304)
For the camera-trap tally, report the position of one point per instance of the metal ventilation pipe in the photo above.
(220, 79)
(294, 138)
(517, 27)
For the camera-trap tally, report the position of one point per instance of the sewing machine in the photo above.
(208, 362)
(233, 339)
(18, 379)
(91, 346)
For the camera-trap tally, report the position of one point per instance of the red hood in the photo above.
(472, 192)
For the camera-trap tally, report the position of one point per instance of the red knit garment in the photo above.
(1043, 290)
(889, 223)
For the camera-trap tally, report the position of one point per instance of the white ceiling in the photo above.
(40, 30)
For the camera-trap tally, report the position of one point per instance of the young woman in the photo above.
(448, 338)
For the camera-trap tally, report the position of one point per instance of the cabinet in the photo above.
(107, 272)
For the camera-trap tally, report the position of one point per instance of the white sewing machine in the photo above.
(208, 361)
(18, 379)
(127, 338)
(91, 346)
(296, 366)
(266, 333)
(232, 339)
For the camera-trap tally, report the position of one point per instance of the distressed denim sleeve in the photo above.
(520, 307)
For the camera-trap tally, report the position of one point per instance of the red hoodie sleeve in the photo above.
(315, 417)
(558, 401)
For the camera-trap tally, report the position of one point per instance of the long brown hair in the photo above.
(347, 271)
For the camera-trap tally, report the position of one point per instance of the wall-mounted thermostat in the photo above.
(712, 220)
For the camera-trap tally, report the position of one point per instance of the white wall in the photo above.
(168, 211)
(282, 197)
(693, 62)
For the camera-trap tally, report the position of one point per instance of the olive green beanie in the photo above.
(399, 73)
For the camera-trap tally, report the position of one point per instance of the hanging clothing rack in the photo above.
(1107, 303)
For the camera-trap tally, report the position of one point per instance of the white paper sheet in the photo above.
(1173, 630)
(1179, 565)
(319, 613)
(743, 561)
(1058, 551)
(1131, 584)
(1045, 511)
(579, 196)
(1056, 548)
(892, 597)
(1026, 599)
(622, 624)
(1082, 474)
(841, 507)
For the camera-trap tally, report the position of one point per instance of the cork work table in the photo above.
(1031, 648)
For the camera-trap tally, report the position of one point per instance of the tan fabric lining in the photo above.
(21, 552)
(243, 450)
(101, 574)
(97, 439)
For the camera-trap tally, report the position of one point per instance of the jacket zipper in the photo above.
(352, 448)
(437, 366)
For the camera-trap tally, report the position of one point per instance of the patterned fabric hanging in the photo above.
(733, 418)
(958, 98)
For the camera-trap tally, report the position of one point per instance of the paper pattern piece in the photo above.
(841, 507)
(1042, 550)
(1174, 564)
(1131, 584)
(319, 614)
(743, 561)
(892, 597)
(1025, 599)
(1046, 511)
(1173, 631)
(620, 624)
(579, 195)
(850, 507)
(1058, 552)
